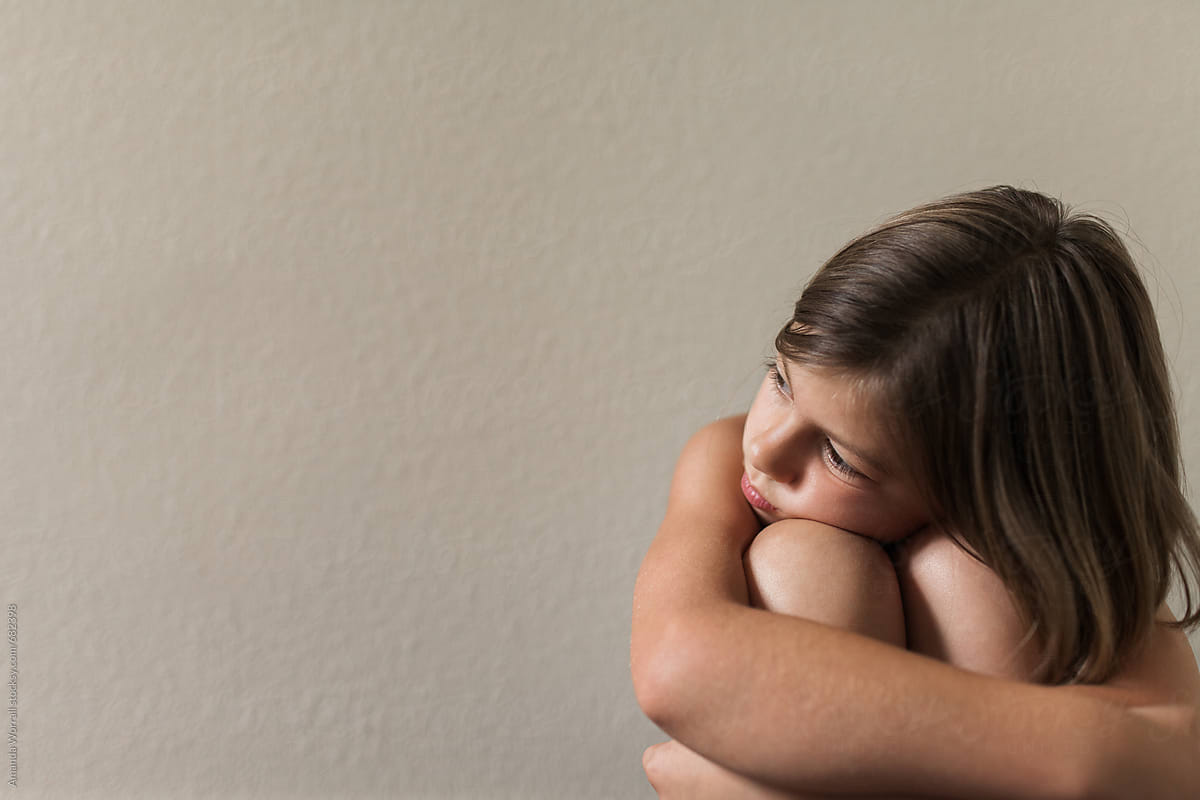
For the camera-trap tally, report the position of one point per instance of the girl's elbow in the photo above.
(653, 690)
(660, 669)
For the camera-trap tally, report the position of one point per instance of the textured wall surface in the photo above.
(348, 346)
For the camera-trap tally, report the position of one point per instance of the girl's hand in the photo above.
(678, 773)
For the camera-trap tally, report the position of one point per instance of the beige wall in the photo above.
(349, 345)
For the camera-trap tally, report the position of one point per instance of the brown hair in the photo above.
(1016, 352)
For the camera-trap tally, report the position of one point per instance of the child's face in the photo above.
(814, 450)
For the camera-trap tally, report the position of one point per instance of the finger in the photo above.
(652, 764)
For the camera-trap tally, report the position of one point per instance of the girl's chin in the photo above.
(767, 518)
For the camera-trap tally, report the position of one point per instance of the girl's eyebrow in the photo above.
(872, 461)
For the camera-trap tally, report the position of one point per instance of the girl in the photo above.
(966, 447)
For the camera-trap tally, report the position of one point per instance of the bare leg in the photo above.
(811, 570)
(957, 610)
(804, 569)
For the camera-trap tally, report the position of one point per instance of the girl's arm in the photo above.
(677, 773)
(813, 708)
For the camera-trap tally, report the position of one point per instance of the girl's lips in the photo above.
(756, 499)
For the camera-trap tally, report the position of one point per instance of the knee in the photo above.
(957, 610)
(828, 575)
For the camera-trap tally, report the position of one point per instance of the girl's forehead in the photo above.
(850, 404)
(855, 387)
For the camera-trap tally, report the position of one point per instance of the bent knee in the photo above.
(958, 610)
(811, 570)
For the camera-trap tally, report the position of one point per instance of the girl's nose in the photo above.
(776, 453)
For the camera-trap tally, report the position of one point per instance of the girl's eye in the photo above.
(835, 461)
(780, 382)
(829, 453)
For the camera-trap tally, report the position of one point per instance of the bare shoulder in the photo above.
(725, 433)
(709, 470)
(710, 455)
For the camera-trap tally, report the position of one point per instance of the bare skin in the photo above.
(932, 597)
(956, 612)
(963, 616)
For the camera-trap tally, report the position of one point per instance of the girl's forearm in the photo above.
(817, 709)
(676, 771)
